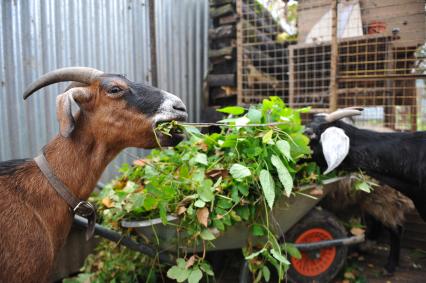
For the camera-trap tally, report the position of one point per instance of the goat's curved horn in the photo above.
(77, 74)
(342, 113)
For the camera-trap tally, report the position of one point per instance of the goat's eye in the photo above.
(114, 89)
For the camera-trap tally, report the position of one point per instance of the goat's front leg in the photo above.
(395, 248)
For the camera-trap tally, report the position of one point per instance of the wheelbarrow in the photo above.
(319, 236)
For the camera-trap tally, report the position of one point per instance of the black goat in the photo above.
(383, 207)
(396, 159)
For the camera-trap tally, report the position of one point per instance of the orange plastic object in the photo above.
(311, 267)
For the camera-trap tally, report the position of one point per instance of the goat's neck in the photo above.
(79, 161)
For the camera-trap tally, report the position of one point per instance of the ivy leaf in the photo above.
(254, 115)
(234, 110)
(257, 230)
(199, 203)
(267, 138)
(178, 274)
(268, 186)
(201, 158)
(283, 174)
(239, 171)
(195, 276)
(284, 147)
(206, 268)
(278, 256)
(207, 235)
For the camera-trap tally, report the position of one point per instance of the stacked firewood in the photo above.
(222, 76)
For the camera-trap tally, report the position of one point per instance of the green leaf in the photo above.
(254, 115)
(267, 138)
(244, 212)
(292, 250)
(207, 268)
(266, 273)
(239, 171)
(234, 110)
(257, 230)
(199, 203)
(163, 212)
(178, 274)
(278, 256)
(195, 275)
(284, 147)
(283, 174)
(218, 224)
(268, 186)
(207, 235)
(205, 192)
(201, 158)
(224, 203)
(255, 254)
(363, 186)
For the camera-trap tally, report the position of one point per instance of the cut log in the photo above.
(226, 53)
(226, 31)
(221, 2)
(230, 19)
(222, 11)
(221, 80)
(226, 67)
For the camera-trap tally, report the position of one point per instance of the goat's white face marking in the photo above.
(335, 147)
(172, 108)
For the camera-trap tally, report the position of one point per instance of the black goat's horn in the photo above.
(76, 74)
(342, 113)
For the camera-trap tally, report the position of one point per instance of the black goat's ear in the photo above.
(335, 147)
(67, 109)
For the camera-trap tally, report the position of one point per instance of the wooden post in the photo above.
(334, 57)
(240, 53)
(153, 40)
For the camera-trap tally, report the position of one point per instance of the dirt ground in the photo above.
(360, 267)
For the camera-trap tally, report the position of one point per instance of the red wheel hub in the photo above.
(316, 262)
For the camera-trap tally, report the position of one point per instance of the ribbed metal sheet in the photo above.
(111, 35)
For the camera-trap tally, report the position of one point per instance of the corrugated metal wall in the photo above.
(111, 35)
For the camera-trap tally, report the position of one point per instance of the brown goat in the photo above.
(100, 116)
(384, 204)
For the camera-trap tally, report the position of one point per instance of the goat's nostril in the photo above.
(179, 107)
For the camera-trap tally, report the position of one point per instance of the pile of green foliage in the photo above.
(210, 182)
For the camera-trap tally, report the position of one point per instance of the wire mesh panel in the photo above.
(264, 54)
(373, 52)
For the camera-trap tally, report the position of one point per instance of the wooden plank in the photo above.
(221, 11)
(225, 31)
(221, 80)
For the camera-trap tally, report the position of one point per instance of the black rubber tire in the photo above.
(319, 218)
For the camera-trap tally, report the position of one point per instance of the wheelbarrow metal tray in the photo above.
(286, 213)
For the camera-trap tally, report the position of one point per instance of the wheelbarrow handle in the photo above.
(330, 243)
(164, 257)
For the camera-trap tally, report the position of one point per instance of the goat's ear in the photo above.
(335, 147)
(67, 109)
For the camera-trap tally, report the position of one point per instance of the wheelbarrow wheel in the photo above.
(319, 265)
